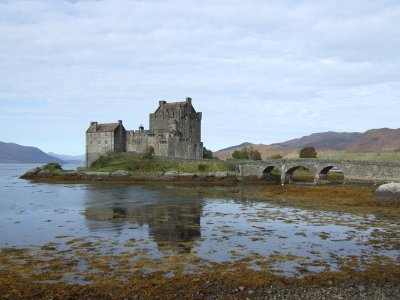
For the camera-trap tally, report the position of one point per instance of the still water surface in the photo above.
(214, 223)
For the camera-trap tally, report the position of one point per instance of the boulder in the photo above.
(187, 175)
(171, 173)
(35, 172)
(94, 175)
(31, 173)
(222, 174)
(121, 173)
(388, 193)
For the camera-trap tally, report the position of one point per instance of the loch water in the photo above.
(215, 223)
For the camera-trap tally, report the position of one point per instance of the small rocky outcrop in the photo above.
(221, 174)
(388, 193)
(31, 173)
(44, 170)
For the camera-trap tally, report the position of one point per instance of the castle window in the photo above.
(105, 142)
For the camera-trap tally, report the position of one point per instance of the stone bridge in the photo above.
(360, 171)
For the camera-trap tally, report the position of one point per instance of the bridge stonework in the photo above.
(359, 171)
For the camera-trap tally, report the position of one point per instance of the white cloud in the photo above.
(264, 70)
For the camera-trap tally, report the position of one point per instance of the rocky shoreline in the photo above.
(213, 290)
(316, 292)
(43, 174)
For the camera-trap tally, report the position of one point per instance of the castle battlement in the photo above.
(174, 131)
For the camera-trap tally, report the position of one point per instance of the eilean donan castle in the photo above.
(175, 131)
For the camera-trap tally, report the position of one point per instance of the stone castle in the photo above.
(175, 132)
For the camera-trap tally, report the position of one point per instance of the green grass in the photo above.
(52, 167)
(116, 161)
(341, 155)
(359, 155)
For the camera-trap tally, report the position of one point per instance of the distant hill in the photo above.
(14, 153)
(323, 141)
(374, 140)
(68, 158)
(245, 144)
(266, 150)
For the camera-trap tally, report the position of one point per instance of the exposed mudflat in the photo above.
(168, 241)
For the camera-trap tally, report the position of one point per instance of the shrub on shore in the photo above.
(308, 152)
(246, 153)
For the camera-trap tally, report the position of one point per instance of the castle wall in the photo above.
(189, 126)
(138, 142)
(120, 139)
(163, 144)
(159, 121)
(195, 128)
(98, 143)
(184, 149)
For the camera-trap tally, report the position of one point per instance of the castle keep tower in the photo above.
(175, 132)
(179, 118)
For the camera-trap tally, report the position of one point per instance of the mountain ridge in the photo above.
(372, 140)
(68, 158)
(15, 153)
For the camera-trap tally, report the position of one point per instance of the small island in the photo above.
(125, 168)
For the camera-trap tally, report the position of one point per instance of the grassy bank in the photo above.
(116, 161)
(342, 155)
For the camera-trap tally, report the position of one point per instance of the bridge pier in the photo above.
(320, 178)
(286, 178)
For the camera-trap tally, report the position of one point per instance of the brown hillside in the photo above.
(323, 140)
(265, 150)
(376, 140)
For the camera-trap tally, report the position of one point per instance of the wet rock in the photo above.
(388, 193)
(391, 188)
(221, 174)
(362, 288)
(38, 171)
(171, 174)
(32, 172)
(94, 175)
(187, 175)
(121, 173)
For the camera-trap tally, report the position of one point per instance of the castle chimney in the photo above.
(141, 128)
(189, 100)
(162, 102)
(120, 122)
(94, 124)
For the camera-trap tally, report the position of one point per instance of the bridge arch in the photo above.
(288, 175)
(324, 173)
(267, 172)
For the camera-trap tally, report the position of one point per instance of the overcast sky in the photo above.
(260, 71)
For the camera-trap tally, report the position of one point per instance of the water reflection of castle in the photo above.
(172, 226)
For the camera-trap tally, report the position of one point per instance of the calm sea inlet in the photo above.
(214, 223)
